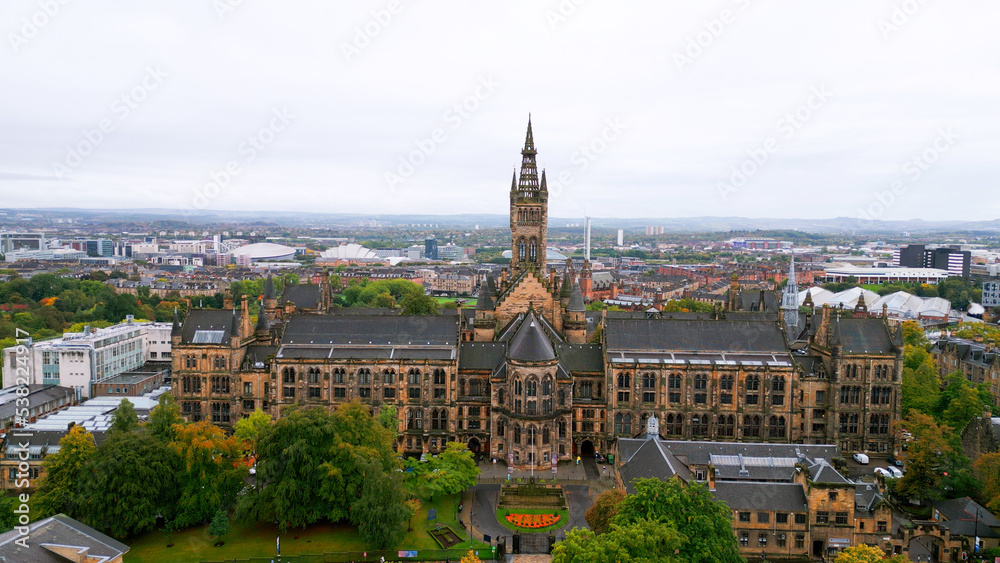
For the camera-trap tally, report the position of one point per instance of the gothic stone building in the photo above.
(522, 378)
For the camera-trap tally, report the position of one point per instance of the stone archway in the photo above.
(475, 446)
(587, 448)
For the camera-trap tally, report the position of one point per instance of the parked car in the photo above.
(861, 458)
(882, 471)
(895, 471)
(894, 461)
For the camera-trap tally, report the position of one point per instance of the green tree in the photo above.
(642, 541)
(59, 490)
(921, 386)
(249, 430)
(164, 416)
(381, 512)
(453, 471)
(913, 335)
(8, 504)
(211, 472)
(124, 419)
(388, 417)
(131, 481)
(966, 405)
(988, 470)
(220, 524)
(704, 523)
(419, 304)
(926, 454)
(605, 508)
(867, 554)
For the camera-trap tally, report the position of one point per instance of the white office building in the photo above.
(79, 359)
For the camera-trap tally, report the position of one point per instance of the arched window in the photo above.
(389, 376)
(624, 381)
(517, 433)
(364, 376)
(314, 375)
(415, 419)
(533, 250)
(440, 377)
(413, 376)
(751, 426)
(547, 386)
(518, 387)
(532, 388)
(753, 383)
(778, 384)
(288, 375)
(338, 375)
(726, 425)
(439, 420)
(461, 387)
(674, 424)
(776, 427)
(699, 424)
(623, 424)
(562, 398)
(500, 397)
(522, 250)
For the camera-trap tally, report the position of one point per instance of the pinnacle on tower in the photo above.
(527, 186)
(175, 329)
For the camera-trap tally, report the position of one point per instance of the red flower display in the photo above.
(533, 520)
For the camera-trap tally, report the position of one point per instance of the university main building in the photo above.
(530, 376)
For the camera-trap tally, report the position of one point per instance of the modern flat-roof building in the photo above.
(886, 275)
(79, 359)
(134, 382)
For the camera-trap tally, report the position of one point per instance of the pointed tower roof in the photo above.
(567, 284)
(485, 301)
(527, 185)
(530, 344)
(175, 330)
(262, 324)
(529, 140)
(269, 292)
(545, 185)
(576, 300)
(791, 272)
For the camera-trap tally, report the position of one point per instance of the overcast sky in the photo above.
(670, 108)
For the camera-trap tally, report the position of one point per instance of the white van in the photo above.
(861, 458)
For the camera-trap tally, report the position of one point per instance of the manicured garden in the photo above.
(258, 540)
(532, 520)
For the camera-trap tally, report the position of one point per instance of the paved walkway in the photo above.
(565, 471)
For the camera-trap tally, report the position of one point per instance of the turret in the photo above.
(575, 322)
(175, 330)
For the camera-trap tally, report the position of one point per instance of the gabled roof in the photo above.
(823, 472)
(780, 497)
(49, 535)
(360, 330)
(304, 296)
(481, 355)
(859, 336)
(204, 326)
(966, 517)
(651, 460)
(530, 343)
(581, 357)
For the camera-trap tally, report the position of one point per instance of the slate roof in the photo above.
(780, 497)
(960, 515)
(823, 472)
(576, 300)
(695, 335)
(581, 357)
(530, 343)
(859, 336)
(257, 354)
(371, 329)
(201, 322)
(59, 530)
(481, 355)
(866, 496)
(650, 460)
(700, 453)
(305, 296)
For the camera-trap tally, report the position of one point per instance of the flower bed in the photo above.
(533, 521)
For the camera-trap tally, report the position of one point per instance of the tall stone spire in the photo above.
(790, 300)
(528, 211)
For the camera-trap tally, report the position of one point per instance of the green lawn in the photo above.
(502, 513)
(258, 540)
(469, 302)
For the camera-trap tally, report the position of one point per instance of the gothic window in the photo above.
(699, 424)
(753, 386)
(849, 423)
(727, 425)
(726, 390)
(439, 419)
(623, 424)
(700, 389)
(624, 381)
(533, 250)
(339, 375)
(500, 397)
(878, 424)
(778, 391)
(522, 250)
(517, 433)
(477, 387)
(313, 375)
(518, 387)
(413, 376)
(220, 412)
(545, 436)
(562, 398)
(674, 388)
(547, 386)
(389, 377)
(562, 429)
(751, 426)
(532, 388)
(674, 424)
(415, 419)
(364, 376)
(649, 388)
(288, 375)
(585, 389)
(776, 427)
(439, 377)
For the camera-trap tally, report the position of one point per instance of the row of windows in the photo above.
(364, 376)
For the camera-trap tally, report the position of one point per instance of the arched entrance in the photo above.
(474, 445)
(587, 448)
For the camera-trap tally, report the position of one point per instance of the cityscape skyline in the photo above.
(677, 111)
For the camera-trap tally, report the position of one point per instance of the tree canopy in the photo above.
(643, 541)
(867, 554)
